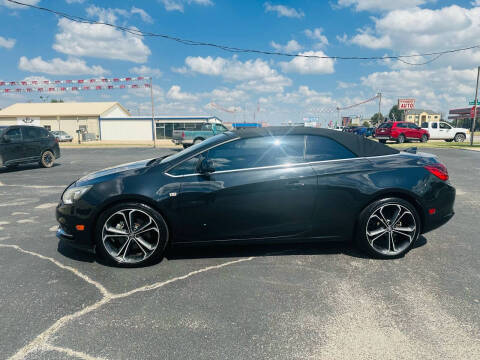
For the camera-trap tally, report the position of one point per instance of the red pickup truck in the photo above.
(400, 131)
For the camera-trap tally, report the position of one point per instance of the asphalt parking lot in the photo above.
(322, 301)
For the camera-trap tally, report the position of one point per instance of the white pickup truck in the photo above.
(440, 130)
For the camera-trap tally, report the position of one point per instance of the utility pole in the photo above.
(154, 130)
(475, 110)
(380, 103)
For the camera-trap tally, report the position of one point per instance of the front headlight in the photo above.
(74, 193)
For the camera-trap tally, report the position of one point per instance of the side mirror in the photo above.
(6, 138)
(205, 166)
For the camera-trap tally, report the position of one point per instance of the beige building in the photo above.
(68, 117)
(419, 116)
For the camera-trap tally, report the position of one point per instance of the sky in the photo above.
(194, 80)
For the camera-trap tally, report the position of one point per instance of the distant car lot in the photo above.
(311, 301)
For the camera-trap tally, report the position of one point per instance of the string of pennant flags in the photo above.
(78, 82)
(73, 88)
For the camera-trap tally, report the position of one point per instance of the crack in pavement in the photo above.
(70, 352)
(41, 341)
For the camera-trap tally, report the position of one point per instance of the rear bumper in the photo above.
(443, 204)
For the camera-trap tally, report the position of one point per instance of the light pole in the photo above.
(475, 110)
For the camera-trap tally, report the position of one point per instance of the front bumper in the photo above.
(68, 219)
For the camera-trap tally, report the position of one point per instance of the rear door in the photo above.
(32, 142)
(413, 131)
(261, 188)
(13, 149)
(434, 131)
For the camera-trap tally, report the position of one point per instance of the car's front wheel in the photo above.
(131, 234)
(424, 138)
(401, 139)
(47, 159)
(460, 138)
(388, 228)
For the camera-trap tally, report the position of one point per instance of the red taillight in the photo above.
(439, 170)
(183, 134)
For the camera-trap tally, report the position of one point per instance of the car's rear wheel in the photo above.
(460, 138)
(388, 228)
(401, 139)
(383, 141)
(424, 138)
(131, 234)
(196, 141)
(47, 159)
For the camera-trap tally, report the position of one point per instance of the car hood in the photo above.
(108, 173)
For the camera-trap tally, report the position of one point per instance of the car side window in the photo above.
(220, 128)
(434, 125)
(31, 133)
(258, 152)
(402, 125)
(413, 126)
(207, 127)
(14, 135)
(187, 167)
(445, 126)
(320, 148)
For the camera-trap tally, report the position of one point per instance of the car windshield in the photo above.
(385, 125)
(192, 149)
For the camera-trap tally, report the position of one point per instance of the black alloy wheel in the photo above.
(388, 228)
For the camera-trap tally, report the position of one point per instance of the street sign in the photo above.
(473, 102)
(406, 104)
(472, 112)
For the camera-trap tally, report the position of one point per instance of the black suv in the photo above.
(27, 144)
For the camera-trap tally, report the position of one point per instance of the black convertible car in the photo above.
(270, 184)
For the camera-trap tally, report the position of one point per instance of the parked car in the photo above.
(259, 185)
(339, 128)
(400, 131)
(440, 130)
(189, 137)
(62, 136)
(27, 144)
(363, 131)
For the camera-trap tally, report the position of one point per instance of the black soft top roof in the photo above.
(357, 144)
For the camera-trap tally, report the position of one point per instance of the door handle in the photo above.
(295, 185)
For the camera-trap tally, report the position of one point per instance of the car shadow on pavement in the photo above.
(238, 251)
(5, 170)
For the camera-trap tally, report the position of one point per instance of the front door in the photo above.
(12, 149)
(253, 193)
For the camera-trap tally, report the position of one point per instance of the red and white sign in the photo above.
(472, 112)
(81, 81)
(406, 104)
(72, 88)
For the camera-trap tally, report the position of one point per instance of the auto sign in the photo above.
(406, 104)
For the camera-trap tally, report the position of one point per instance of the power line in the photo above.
(137, 32)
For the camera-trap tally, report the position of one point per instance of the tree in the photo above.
(376, 118)
(395, 114)
(366, 123)
(56, 101)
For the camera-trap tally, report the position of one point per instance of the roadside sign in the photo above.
(472, 112)
(406, 104)
(473, 102)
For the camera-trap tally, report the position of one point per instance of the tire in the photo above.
(118, 244)
(378, 238)
(424, 138)
(460, 137)
(185, 146)
(401, 139)
(196, 141)
(47, 159)
(383, 141)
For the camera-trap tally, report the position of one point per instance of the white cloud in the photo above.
(306, 96)
(175, 93)
(179, 5)
(366, 40)
(18, 7)
(305, 65)
(284, 11)
(256, 75)
(345, 85)
(439, 29)
(56, 66)
(75, 1)
(291, 47)
(143, 14)
(146, 71)
(7, 43)
(380, 5)
(99, 41)
(317, 34)
(225, 95)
